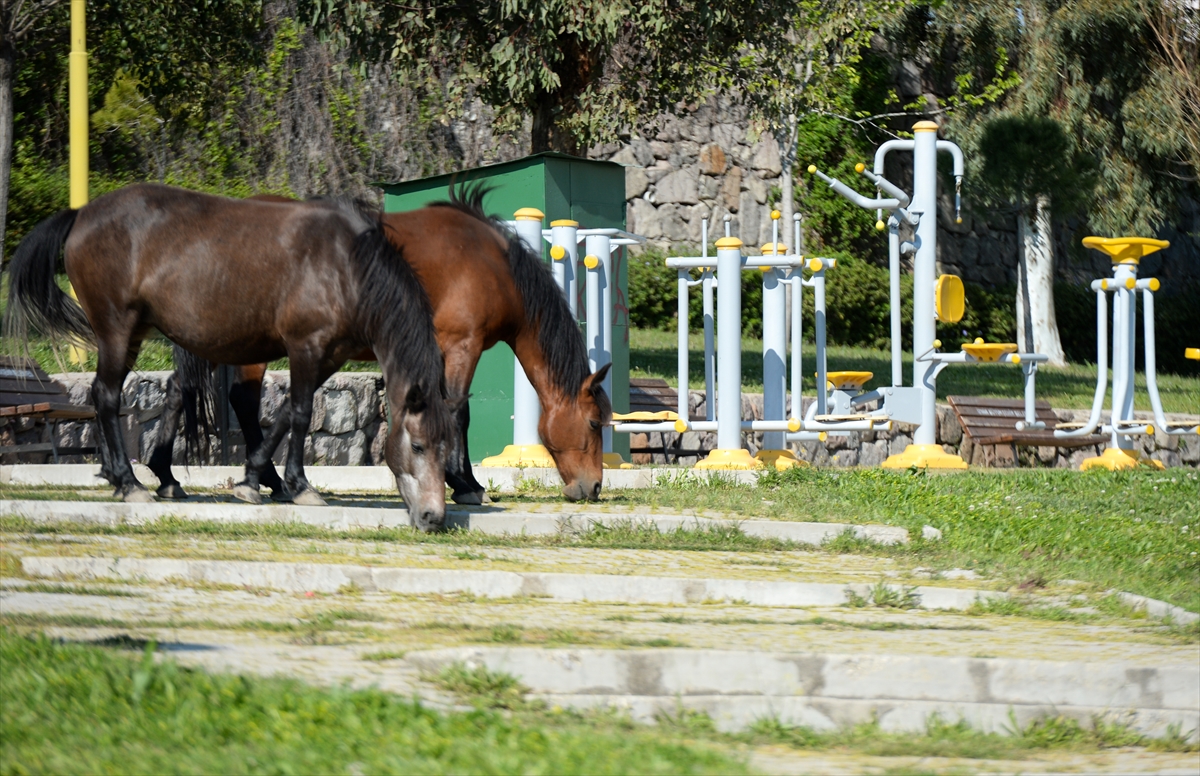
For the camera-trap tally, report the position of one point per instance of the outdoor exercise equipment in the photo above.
(564, 237)
(934, 299)
(1126, 253)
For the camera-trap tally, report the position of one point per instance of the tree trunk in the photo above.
(7, 69)
(1037, 326)
(545, 134)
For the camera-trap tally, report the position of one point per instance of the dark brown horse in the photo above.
(242, 282)
(485, 287)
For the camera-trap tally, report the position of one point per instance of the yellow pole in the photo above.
(78, 94)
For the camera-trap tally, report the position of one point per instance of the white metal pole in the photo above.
(924, 203)
(729, 343)
(774, 326)
(797, 300)
(526, 409)
(598, 260)
(684, 277)
(564, 234)
(818, 284)
(893, 225)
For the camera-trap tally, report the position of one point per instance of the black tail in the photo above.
(34, 297)
(195, 380)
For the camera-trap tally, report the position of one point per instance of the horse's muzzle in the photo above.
(580, 490)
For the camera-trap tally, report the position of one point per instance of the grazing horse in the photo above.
(244, 282)
(485, 287)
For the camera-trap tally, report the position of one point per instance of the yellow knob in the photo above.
(564, 222)
(880, 226)
(937, 343)
(728, 242)
(958, 220)
(815, 265)
(1149, 429)
(776, 215)
(822, 436)
(1016, 358)
(1154, 284)
(812, 168)
(681, 425)
(558, 253)
(1130, 282)
(529, 214)
(1192, 353)
(979, 340)
(859, 167)
(591, 262)
(793, 425)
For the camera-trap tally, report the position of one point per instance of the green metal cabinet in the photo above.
(562, 187)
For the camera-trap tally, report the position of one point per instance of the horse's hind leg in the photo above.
(164, 442)
(459, 475)
(259, 459)
(245, 396)
(113, 365)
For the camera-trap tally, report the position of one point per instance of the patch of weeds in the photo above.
(483, 688)
(686, 722)
(854, 600)
(468, 555)
(506, 634)
(56, 587)
(1176, 740)
(620, 618)
(351, 589)
(10, 565)
(674, 619)
(659, 642)
(383, 655)
(894, 597)
(1019, 607)
(850, 543)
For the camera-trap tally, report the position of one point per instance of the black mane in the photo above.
(397, 317)
(546, 309)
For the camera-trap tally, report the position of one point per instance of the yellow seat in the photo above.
(1126, 250)
(989, 351)
(843, 381)
(637, 417)
(1192, 353)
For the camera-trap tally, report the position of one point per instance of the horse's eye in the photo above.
(418, 449)
(595, 425)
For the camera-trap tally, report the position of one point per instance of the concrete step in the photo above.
(497, 520)
(607, 588)
(828, 691)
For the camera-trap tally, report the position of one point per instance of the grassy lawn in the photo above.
(653, 354)
(72, 708)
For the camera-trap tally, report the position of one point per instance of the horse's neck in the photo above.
(533, 361)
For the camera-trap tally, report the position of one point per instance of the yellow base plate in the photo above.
(729, 459)
(1115, 459)
(615, 461)
(532, 456)
(924, 457)
(779, 459)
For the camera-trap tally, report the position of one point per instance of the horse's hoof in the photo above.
(469, 498)
(308, 498)
(243, 492)
(280, 495)
(137, 496)
(172, 491)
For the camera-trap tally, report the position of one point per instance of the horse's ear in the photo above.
(414, 402)
(594, 380)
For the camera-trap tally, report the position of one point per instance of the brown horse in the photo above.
(243, 282)
(485, 287)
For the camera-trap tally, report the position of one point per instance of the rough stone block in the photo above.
(636, 182)
(341, 412)
(872, 453)
(766, 156)
(1170, 458)
(1165, 441)
(731, 189)
(844, 458)
(681, 186)
(712, 160)
(1047, 454)
(378, 442)
(1189, 449)
(949, 429)
(898, 443)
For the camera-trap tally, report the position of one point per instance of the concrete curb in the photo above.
(488, 520)
(825, 692)
(1158, 609)
(607, 588)
(343, 479)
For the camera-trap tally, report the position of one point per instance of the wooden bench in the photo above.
(650, 394)
(991, 422)
(28, 392)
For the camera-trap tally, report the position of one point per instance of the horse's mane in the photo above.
(396, 315)
(546, 309)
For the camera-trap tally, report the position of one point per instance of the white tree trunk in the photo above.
(1037, 327)
(7, 62)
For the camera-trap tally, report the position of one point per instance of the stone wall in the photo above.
(349, 427)
(870, 448)
(710, 163)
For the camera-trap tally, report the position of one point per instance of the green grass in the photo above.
(652, 353)
(72, 708)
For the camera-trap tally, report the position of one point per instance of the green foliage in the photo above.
(1025, 157)
(82, 709)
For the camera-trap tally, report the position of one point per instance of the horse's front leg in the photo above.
(258, 460)
(245, 396)
(305, 380)
(164, 441)
(461, 360)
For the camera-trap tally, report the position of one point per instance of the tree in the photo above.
(582, 70)
(1028, 162)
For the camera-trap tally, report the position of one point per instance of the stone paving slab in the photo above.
(825, 692)
(487, 519)
(330, 578)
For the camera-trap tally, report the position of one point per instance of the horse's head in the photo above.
(418, 441)
(572, 430)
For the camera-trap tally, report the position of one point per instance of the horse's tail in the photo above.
(34, 296)
(195, 382)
